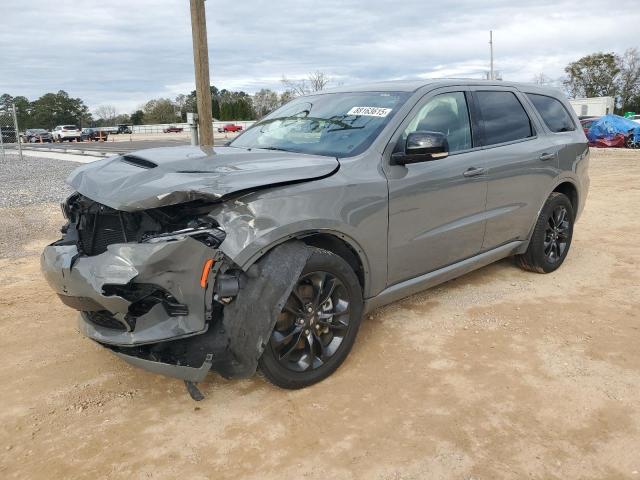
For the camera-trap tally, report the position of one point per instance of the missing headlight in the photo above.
(210, 236)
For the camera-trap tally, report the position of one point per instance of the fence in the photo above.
(160, 127)
(9, 133)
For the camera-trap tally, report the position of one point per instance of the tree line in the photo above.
(59, 108)
(595, 75)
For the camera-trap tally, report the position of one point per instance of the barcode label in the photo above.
(369, 111)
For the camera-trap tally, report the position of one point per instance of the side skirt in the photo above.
(428, 280)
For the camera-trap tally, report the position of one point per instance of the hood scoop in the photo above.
(138, 162)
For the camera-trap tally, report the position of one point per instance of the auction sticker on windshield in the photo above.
(369, 111)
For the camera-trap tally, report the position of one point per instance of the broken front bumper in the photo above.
(186, 340)
(109, 289)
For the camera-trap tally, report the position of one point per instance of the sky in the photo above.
(125, 52)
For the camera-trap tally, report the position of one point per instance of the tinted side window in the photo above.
(552, 112)
(505, 120)
(446, 113)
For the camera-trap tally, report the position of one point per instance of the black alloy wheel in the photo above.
(318, 324)
(557, 234)
(313, 323)
(551, 238)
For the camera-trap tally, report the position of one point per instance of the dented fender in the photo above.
(356, 214)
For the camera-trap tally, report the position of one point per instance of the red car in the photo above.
(230, 127)
(173, 130)
(586, 123)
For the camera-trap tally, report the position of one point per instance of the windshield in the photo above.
(332, 124)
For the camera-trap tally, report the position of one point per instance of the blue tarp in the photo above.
(609, 126)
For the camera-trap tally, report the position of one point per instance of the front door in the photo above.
(436, 208)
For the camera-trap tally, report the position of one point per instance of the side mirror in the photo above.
(422, 147)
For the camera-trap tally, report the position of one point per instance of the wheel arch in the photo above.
(336, 242)
(569, 189)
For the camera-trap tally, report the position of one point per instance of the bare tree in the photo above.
(314, 82)
(295, 87)
(318, 81)
(542, 79)
(265, 101)
(286, 96)
(106, 113)
(629, 77)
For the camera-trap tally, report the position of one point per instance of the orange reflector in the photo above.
(205, 272)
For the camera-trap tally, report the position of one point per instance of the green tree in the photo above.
(160, 110)
(593, 76)
(53, 109)
(225, 105)
(629, 79)
(23, 112)
(6, 101)
(137, 117)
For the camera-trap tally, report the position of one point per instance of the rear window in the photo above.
(553, 113)
(70, 127)
(504, 117)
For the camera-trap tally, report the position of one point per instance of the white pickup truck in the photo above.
(66, 132)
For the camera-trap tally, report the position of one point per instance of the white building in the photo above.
(593, 107)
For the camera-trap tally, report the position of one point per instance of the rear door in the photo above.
(436, 208)
(520, 160)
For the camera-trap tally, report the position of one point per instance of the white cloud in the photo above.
(130, 51)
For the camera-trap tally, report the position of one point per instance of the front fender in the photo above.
(259, 221)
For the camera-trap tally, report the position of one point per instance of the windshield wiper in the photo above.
(273, 148)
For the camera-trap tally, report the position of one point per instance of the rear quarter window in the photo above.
(503, 116)
(553, 113)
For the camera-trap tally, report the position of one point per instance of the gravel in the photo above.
(33, 180)
(30, 194)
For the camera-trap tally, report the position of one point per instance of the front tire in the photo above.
(318, 325)
(551, 237)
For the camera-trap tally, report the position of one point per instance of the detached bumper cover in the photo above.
(191, 374)
(172, 266)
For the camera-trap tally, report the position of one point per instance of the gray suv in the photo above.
(266, 253)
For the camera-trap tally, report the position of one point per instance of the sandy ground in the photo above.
(498, 374)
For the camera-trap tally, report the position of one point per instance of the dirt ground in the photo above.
(498, 374)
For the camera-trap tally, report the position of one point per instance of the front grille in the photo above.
(105, 319)
(102, 229)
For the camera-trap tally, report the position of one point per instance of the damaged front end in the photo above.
(153, 287)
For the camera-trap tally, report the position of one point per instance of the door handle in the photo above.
(547, 156)
(474, 172)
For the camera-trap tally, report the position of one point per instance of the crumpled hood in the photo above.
(167, 176)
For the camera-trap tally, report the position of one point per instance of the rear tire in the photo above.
(306, 347)
(551, 237)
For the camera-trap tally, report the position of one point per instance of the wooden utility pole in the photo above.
(201, 62)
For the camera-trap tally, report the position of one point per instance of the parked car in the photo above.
(230, 127)
(36, 135)
(9, 134)
(173, 130)
(93, 134)
(587, 122)
(122, 128)
(66, 132)
(267, 253)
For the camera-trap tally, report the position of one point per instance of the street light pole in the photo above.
(201, 63)
(491, 75)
